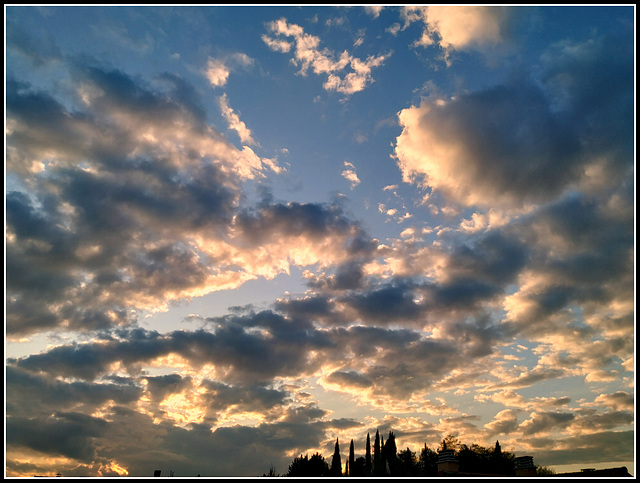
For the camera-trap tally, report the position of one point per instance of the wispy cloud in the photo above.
(322, 61)
(234, 121)
(350, 174)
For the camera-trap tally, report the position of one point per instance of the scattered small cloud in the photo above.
(350, 174)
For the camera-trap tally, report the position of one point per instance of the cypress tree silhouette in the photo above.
(378, 463)
(367, 458)
(352, 459)
(390, 455)
(336, 463)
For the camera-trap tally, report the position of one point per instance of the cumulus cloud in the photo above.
(322, 61)
(481, 28)
(477, 146)
(216, 72)
(107, 226)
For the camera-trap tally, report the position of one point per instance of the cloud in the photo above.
(449, 146)
(350, 174)
(216, 72)
(477, 146)
(505, 422)
(62, 434)
(234, 121)
(323, 61)
(619, 400)
(374, 10)
(39, 52)
(146, 220)
(544, 422)
(605, 446)
(481, 28)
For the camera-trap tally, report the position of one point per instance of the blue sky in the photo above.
(235, 234)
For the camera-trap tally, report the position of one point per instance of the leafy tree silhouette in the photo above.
(271, 472)
(407, 464)
(303, 466)
(358, 468)
(428, 462)
(449, 442)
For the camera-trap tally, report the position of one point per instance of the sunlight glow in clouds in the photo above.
(449, 248)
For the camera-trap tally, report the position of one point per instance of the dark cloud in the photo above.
(162, 386)
(388, 303)
(600, 447)
(581, 258)
(593, 83)
(69, 434)
(619, 400)
(211, 452)
(295, 219)
(34, 393)
(220, 397)
(109, 220)
(494, 257)
(529, 140)
(349, 379)
(118, 207)
(591, 420)
(309, 307)
(39, 51)
(541, 422)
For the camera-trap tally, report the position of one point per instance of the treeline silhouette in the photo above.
(385, 460)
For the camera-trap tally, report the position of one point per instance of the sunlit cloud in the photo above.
(309, 55)
(216, 72)
(350, 174)
(234, 121)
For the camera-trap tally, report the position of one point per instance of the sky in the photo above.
(235, 234)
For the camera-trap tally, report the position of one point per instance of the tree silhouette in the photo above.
(390, 456)
(336, 463)
(428, 462)
(367, 460)
(352, 459)
(407, 464)
(388, 462)
(449, 442)
(378, 465)
(358, 468)
(303, 466)
(272, 471)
